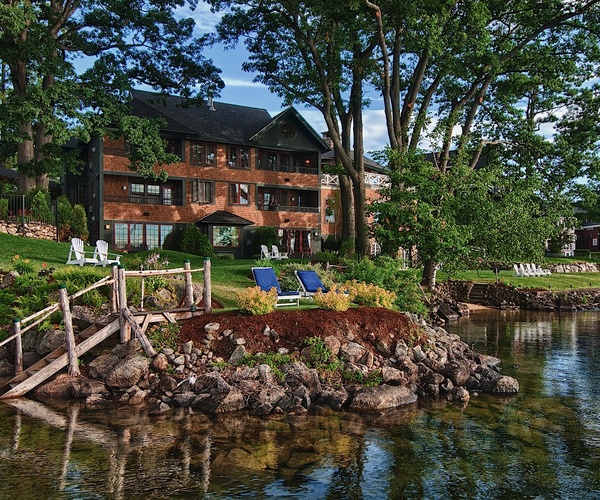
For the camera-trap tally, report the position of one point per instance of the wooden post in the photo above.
(114, 295)
(70, 337)
(18, 346)
(125, 329)
(142, 293)
(146, 345)
(207, 286)
(189, 289)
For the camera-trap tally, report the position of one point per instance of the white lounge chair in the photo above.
(103, 257)
(276, 254)
(516, 271)
(264, 252)
(78, 256)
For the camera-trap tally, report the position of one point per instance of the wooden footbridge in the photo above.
(120, 320)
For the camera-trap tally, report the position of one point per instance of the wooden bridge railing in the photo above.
(118, 305)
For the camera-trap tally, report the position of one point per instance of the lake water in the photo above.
(542, 443)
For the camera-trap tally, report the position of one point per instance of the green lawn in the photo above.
(231, 275)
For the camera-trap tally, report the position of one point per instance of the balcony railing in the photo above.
(373, 180)
(288, 208)
(294, 169)
(143, 200)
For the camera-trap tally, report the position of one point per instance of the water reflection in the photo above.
(543, 443)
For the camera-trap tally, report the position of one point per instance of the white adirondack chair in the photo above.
(277, 255)
(264, 252)
(524, 270)
(78, 256)
(543, 272)
(102, 256)
(516, 271)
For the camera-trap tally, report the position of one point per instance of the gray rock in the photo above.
(100, 367)
(7, 369)
(123, 350)
(50, 341)
(382, 397)
(333, 344)
(187, 347)
(128, 372)
(401, 350)
(352, 352)
(212, 327)
(237, 355)
(392, 376)
(160, 362)
(458, 372)
(493, 382)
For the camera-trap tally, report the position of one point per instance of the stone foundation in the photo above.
(30, 230)
(509, 297)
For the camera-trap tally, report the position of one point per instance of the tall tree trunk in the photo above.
(429, 274)
(347, 201)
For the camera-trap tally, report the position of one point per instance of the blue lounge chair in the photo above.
(265, 278)
(310, 283)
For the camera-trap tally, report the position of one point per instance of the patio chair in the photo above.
(102, 255)
(525, 270)
(265, 278)
(276, 254)
(264, 252)
(516, 271)
(78, 255)
(543, 272)
(310, 283)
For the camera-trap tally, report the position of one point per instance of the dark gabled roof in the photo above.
(369, 164)
(224, 217)
(228, 123)
(293, 112)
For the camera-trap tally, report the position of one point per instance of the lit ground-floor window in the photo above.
(135, 237)
(226, 236)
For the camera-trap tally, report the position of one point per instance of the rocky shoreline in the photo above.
(394, 371)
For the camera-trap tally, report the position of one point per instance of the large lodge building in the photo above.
(239, 169)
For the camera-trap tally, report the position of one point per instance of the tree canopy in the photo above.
(68, 67)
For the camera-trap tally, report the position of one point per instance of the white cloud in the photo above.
(206, 21)
(241, 82)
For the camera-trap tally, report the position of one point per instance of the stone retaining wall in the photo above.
(30, 230)
(508, 297)
(575, 267)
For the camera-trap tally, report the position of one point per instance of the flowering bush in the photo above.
(254, 301)
(370, 295)
(22, 266)
(336, 299)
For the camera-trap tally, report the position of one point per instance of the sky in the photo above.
(240, 89)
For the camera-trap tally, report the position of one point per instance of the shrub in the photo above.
(582, 252)
(331, 244)
(254, 301)
(194, 242)
(40, 207)
(79, 227)
(327, 256)
(264, 235)
(334, 300)
(370, 295)
(388, 273)
(65, 216)
(164, 335)
(320, 357)
(3, 208)
(347, 247)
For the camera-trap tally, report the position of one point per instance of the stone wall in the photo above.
(575, 267)
(509, 297)
(30, 230)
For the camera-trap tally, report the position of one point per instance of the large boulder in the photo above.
(127, 372)
(493, 382)
(382, 397)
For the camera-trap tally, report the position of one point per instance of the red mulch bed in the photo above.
(366, 326)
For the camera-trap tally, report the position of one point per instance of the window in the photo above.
(174, 146)
(239, 194)
(203, 154)
(238, 157)
(167, 196)
(154, 194)
(330, 210)
(135, 237)
(226, 236)
(201, 191)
